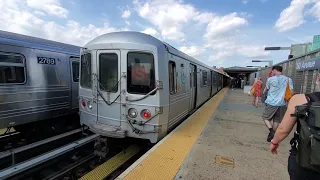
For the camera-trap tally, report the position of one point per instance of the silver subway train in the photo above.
(133, 85)
(38, 79)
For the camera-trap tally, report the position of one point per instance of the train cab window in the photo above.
(108, 72)
(172, 77)
(75, 71)
(12, 69)
(85, 78)
(141, 79)
(204, 78)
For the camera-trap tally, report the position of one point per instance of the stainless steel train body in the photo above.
(38, 79)
(133, 85)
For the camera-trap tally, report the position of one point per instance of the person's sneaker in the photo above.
(270, 136)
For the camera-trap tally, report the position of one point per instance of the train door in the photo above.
(74, 64)
(221, 80)
(214, 83)
(218, 81)
(193, 87)
(108, 76)
(211, 84)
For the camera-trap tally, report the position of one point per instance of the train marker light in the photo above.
(145, 114)
(84, 103)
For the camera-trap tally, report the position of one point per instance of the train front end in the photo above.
(120, 88)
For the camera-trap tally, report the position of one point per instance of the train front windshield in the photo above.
(141, 78)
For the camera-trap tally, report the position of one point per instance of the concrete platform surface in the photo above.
(235, 131)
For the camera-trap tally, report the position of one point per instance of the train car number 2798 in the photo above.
(45, 60)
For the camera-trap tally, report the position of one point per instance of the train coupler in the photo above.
(100, 147)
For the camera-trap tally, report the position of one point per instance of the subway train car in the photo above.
(133, 85)
(38, 80)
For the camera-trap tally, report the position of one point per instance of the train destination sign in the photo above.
(308, 65)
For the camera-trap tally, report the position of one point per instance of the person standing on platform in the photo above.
(257, 91)
(265, 92)
(275, 102)
(233, 83)
(303, 161)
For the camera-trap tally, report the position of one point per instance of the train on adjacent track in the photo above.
(134, 85)
(39, 80)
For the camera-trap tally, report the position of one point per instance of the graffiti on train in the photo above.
(140, 75)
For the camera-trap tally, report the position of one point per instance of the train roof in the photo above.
(37, 43)
(141, 38)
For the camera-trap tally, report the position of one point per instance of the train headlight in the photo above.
(132, 113)
(146, 114)
(89, 105)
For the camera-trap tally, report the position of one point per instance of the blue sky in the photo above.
(221, 33)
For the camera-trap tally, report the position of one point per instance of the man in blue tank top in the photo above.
(275, 103)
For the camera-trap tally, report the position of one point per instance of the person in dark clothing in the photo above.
(295, 171)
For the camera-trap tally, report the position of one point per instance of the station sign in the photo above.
(308, 65)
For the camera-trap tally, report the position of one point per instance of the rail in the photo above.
(12, 152)
(21, 167)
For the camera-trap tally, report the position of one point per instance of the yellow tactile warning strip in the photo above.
(165, 161)
(112, 164)
(225, 161)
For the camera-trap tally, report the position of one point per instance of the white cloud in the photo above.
(204, 18)
(227, 47)
(39, 13)
(51, 7)
(17, 18)
(252, 51)
(219, 57)
(173, 17)
(128, 23)
(151, 32)
(292, 16)
(192, 50)
(246, 15)
(315, 10)
(220, 36)
(220, 26)
(126, 14)
(245, 1)
(168, 16)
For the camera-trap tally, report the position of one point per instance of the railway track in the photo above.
(69, 156)
(71, 161)
(11, 138)
(32, 167)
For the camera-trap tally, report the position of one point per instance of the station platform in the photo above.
(225, 139)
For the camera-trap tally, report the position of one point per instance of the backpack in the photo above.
(288, 94)
(308, 133)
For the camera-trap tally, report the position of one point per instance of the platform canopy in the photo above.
(237, 69)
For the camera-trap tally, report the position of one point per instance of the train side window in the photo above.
(85, 78)
(12, 69)
(108, 72)
(75, 71)
(172, 77)
(204, 78)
